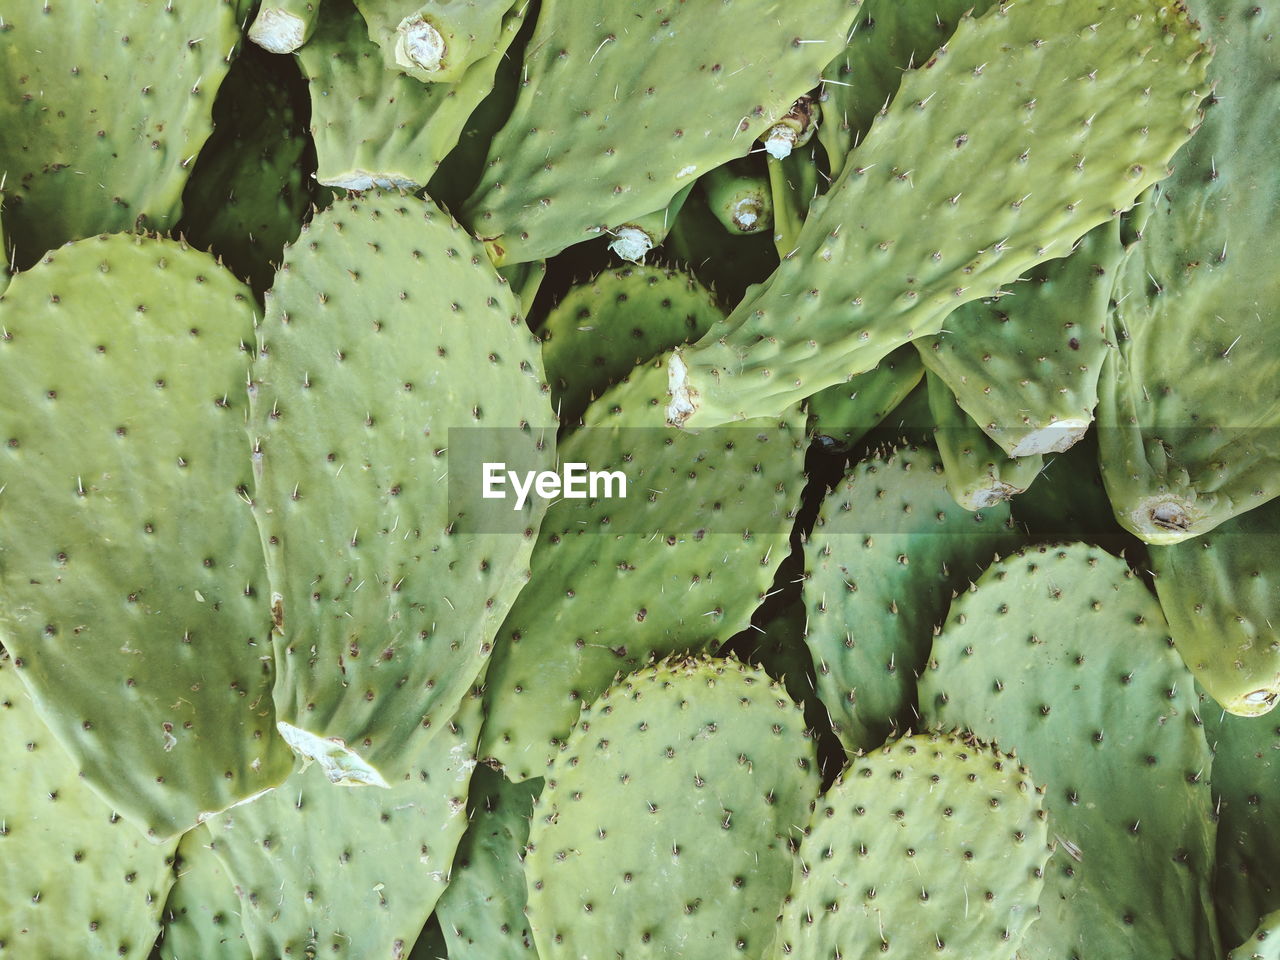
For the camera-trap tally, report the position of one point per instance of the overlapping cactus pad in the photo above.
(639, 479)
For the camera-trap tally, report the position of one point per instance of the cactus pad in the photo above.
(135, 602)
(664, 827)
(993, 157)
(733, 67)
(1062, 655)
(928, 845)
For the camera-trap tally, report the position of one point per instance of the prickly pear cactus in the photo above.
(678, 565)
(1188, 440)
(482, 911)
(846, 412)
(979, 474)
(889, 549)
(888, 37)
(349, 872)
(1026, 367)
(386, 329)
(136, 605)
(698, 86)
(1246, 788)
(1222, 599)
(77, 880)
(1062, 655)
(202, 915)
(930, 844)
(664, 828)
(376, 128)
(601, 330)
(1001, 99)
(106, 107)
(1264, 944)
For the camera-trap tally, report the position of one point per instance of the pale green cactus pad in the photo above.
(929, 845)
(202, 915)
(1061, 655)
(734, 69)
(710, 757)
(979, 473)
(1025, 367)
(78, 880)
(106, 107)
(1189, 427)
(890, 549)
(386, 329)
(481, 912)
(1221, 596)
(339, 871)
(678, 565)
(1246, 788)
(376, 128)
(1264, 944)
(846, 412)
(135, 600)
(600, 331)
(888, 37)
(991, 159)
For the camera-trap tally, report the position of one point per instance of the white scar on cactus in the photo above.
(681, 406)
(631, 243)
(277, 31)
(1057, 437)
(419, 44)
(780, 140)
(340, 763)
(361, 180)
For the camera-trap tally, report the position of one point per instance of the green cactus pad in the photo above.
(888, 38)
(740, 197)
(601, 330)
(664, 827)
(1190, 429)
(678, 565)
(1026, 367)
(889, 550)
(1222, 599)
(251, 189)
(1264, 944)
(994, 157)
(931, 845)
(1246, 788)
(106, 107)
(979, 474)
(78, 881)
(481, 912)
(1062, 655)
(334, 871)
(386, 328)
(202, 916)
(135, 602)
(373, 127)
(699, 82)
(846, 412)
